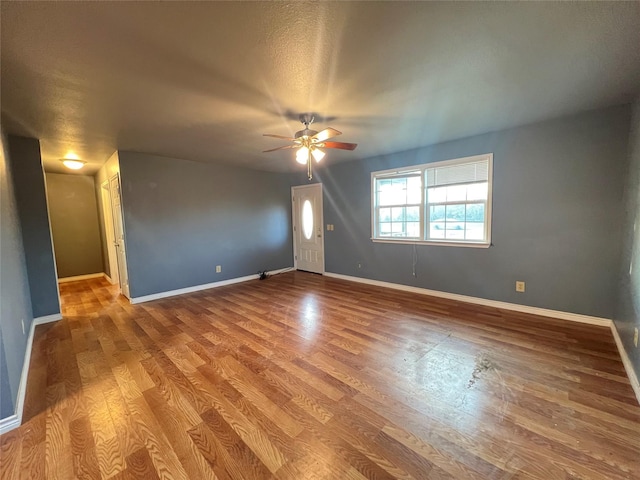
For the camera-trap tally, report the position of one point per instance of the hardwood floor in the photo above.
(304, 377)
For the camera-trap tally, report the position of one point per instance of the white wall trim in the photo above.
(197, 288)
(626, 361)
(108, 278)
(81, 277)
(15, 420)
(9, 423)
(573, 317)
(46, 319)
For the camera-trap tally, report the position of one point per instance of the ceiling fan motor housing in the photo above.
(305, 133)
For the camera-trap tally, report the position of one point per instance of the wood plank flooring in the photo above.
(306, 377)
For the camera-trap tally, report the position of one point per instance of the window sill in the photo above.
(441, 244)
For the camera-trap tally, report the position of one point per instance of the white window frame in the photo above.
(424, 210)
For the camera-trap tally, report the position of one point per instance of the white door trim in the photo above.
(296, 227)
(120, 233)
(109, 233)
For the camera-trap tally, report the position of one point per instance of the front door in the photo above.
(308, 243)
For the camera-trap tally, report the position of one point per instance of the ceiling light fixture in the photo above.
(308, 148)
(317, 154)
(73, 163)
(302, 155)
(308, 142)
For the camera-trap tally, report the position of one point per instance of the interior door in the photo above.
(307, 228)
(107, 213)
(118, 229)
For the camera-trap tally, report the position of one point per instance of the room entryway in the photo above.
(107, 215)
(308, 239)
(118, 228)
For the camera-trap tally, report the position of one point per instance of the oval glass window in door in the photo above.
(307, 219)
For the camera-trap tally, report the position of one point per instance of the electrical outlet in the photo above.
(520, 287)
(24, 332)
(218, 268)
(635, 337)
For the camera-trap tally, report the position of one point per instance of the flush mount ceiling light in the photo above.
(73, 163)
(308, 142)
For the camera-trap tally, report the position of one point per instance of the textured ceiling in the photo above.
(203, 81)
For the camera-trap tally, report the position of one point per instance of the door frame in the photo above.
(118, 213)
(294, 216)
(107, 212)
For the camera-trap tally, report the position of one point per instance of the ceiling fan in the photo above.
(309, 142)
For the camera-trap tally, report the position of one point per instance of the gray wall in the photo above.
(183, 218)
(15, 300)
(557, 216)
(31, 200)
(628, 313)
(73, 211)
(7, 397)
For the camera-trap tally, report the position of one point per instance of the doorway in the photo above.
(118, 229)
(109, 233)
(308, 239)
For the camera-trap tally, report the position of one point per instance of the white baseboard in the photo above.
(108, 278)
(626, 361)
(206, 286)
(9, 423)
(544, 312)
(15, 420)
(81, 277)
(46, 319)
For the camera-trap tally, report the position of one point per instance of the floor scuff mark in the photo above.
(483, 364)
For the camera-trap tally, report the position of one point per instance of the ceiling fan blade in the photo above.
(278, 136)
(340, 145)
(281, 148)
(325, 134)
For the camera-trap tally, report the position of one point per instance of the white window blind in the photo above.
(457, 174)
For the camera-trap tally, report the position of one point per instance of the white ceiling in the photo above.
(203, 81)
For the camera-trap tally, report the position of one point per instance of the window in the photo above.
(307, 219)
(443, 203)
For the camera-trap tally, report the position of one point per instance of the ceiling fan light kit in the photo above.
(309, 142)
(302, 155)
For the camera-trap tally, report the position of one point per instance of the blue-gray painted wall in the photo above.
(15, 300)
(627, 316)
(557, 216)
(183, 218)
(31, 201)
(7, 398)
